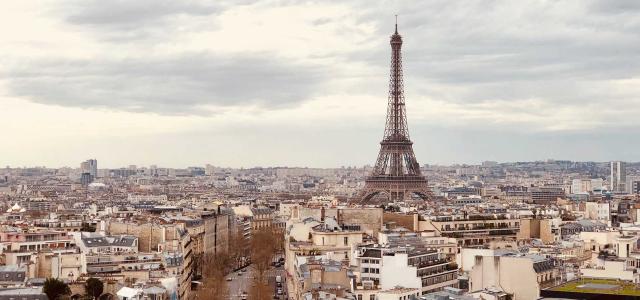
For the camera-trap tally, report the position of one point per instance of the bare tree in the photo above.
(214, 270)
(238, 248)
(265, 244)
(260, 291)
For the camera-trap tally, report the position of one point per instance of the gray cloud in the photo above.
(566, 53)
(503, 50)
(498, 49)
(122, 14)
(144, 20)
(489, 57)
(615, 7)
(167, 85)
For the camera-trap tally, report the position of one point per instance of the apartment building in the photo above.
(411, 266)
(471, 230)
(522, 276)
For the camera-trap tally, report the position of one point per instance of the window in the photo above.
(346, 240)
(372, 297)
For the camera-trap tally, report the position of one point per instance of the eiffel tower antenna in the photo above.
(397, 172)
(396, 24)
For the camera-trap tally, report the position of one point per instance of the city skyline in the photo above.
(257, 85)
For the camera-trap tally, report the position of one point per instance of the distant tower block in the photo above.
(397, 172)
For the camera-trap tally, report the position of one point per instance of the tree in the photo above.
(238, 248)
(214, 270)
(55, 288)
(265, 244)
(94, 287)
(260, 290)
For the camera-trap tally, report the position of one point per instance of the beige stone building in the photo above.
(370, 219)
(520, 276)
(547, 230)
(473, 229)
(320, 275)
(171, 239)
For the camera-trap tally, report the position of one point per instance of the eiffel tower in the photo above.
(397, 173)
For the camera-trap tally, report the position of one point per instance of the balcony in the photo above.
(448, 268)
(430, 263)
(503, 232)
(481, 232)
(480, 228)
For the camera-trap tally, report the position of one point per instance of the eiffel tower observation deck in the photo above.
(396, 175)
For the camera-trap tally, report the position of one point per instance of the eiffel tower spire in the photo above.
(397, 172)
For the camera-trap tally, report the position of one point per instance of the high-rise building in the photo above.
(86, 178)
(90, 166)
(633, 184)
(618, 176)
(586, 185)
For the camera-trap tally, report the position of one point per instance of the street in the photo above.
(240, 284)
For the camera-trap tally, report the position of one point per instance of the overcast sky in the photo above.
(303, 83)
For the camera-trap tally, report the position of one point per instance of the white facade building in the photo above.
(618, 176)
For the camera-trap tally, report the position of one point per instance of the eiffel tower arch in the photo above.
(396, 172)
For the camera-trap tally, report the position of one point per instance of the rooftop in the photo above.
(12, 268)
(599, 286)
(399, 290)
(20, 291)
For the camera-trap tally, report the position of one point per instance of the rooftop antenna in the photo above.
(396, 24)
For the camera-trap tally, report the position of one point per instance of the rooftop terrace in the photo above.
(599, 286)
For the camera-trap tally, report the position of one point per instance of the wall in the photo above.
(514, 275)
(467, 257)
(394, 271)
(149, 235)
(370, 219)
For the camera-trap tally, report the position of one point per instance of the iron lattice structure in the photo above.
(397, 172)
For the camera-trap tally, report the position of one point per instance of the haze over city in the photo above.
(296, 83)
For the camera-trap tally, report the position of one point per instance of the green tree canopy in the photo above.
(55, 288)
(94, 287)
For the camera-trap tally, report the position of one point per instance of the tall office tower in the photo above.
(633, 184)
(90, 166)
(618, 176)
(397, 172)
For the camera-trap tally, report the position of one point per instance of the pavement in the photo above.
(242, 283)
